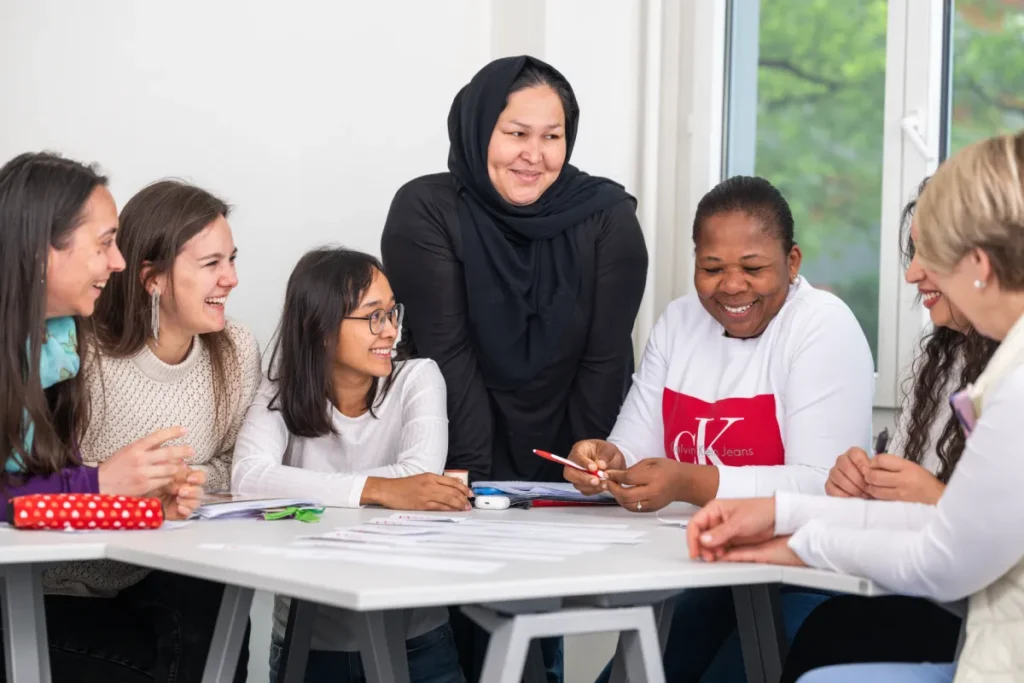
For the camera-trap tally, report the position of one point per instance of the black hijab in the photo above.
(521, 264)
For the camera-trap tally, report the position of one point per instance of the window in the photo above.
(986, 63)
(814, 92)
(840, 105)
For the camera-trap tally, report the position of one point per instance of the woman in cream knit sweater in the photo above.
(165, 357)
(970, 225)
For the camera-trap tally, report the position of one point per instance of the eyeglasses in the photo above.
(380, 316)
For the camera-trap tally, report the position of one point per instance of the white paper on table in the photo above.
(507, 547)
(457, 566)
(432, 550)
(530, 532)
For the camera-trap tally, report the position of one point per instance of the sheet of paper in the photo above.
(454, 552)
(534, 532)
(382, 559)
(507, 548)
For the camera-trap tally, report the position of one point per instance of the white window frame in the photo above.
(915, 91)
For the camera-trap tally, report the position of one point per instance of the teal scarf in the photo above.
(58, 361)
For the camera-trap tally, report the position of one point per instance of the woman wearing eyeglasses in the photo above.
(344, 419)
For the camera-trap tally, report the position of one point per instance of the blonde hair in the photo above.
(975, 200)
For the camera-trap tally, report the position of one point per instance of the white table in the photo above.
(578, 588)
(23, 557)
(557, 596)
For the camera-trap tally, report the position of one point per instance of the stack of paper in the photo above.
(220, 505)
(532, 490)
(460, 544)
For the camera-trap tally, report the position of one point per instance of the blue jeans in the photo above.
(881, 673)
(432, 659)
(702, 642)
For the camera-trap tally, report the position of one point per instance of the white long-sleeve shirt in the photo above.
(772, 413)
(408, 436)
(972, 537)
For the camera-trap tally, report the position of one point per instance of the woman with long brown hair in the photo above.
(166, 355)
(58, 224)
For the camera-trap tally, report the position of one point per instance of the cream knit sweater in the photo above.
(131, 398)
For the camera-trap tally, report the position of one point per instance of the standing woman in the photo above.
(58, 224)
(521, 276)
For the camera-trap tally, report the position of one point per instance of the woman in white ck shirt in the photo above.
(340, 421)
(970, 223)
(753, 383)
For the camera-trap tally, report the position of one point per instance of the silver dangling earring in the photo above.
(154, 315)
(978, 284)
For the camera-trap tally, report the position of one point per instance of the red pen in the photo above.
(568, 463)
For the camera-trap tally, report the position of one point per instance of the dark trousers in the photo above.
(158, 630)
(850, 629)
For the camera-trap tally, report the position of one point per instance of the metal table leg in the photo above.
(761, 630)
(26, 646)
(381, 637)
(297, 637)
(226, 643)
(663, 619)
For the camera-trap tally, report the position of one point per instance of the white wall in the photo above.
(306, 116)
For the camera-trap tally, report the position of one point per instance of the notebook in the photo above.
(535, 490)
(224, 504)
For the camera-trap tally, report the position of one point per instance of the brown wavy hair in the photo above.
(940, 353)
(42, 199)
(155, 225)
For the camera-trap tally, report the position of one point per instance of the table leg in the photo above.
(26, 646)
(297, 637)
(663, 611)
(226, 643)
(381, 637)
(761, 631)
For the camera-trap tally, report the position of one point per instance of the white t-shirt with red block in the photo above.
(772, 413)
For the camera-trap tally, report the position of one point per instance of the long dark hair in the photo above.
(42, 200)
(940, 352)
(325, 287)
(155, 225)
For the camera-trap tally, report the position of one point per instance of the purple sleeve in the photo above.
(80, 479)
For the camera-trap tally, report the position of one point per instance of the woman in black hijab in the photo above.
(521, 276)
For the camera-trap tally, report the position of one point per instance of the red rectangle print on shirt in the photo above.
(732, 432)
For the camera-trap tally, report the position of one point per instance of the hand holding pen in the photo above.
(847, 478)
(594, 457)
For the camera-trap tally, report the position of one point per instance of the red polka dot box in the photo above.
(84, 511)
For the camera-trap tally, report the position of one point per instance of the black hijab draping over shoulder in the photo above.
(521, 264)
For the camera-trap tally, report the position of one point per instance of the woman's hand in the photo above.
(773, 551)
(594, 455)
(890, 477)
(184, 495)
(649, 485)
(425, 491)
(145, 466)
(846, 478)
(723, 525)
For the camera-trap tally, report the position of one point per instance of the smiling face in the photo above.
(742, 274)
(77, 272)
(192, 299)
(527, 148)
(360, 353)
(940, 309)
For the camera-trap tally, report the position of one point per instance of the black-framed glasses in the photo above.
(380, 316)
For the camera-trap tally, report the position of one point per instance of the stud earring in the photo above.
(154, 314)
(978, 284)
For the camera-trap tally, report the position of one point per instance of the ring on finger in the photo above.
(639, 506)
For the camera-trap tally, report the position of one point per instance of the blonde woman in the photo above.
(970, 238)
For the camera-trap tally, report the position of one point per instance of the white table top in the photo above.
(659, 563)
(18, 547)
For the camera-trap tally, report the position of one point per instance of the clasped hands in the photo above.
(649, 485)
